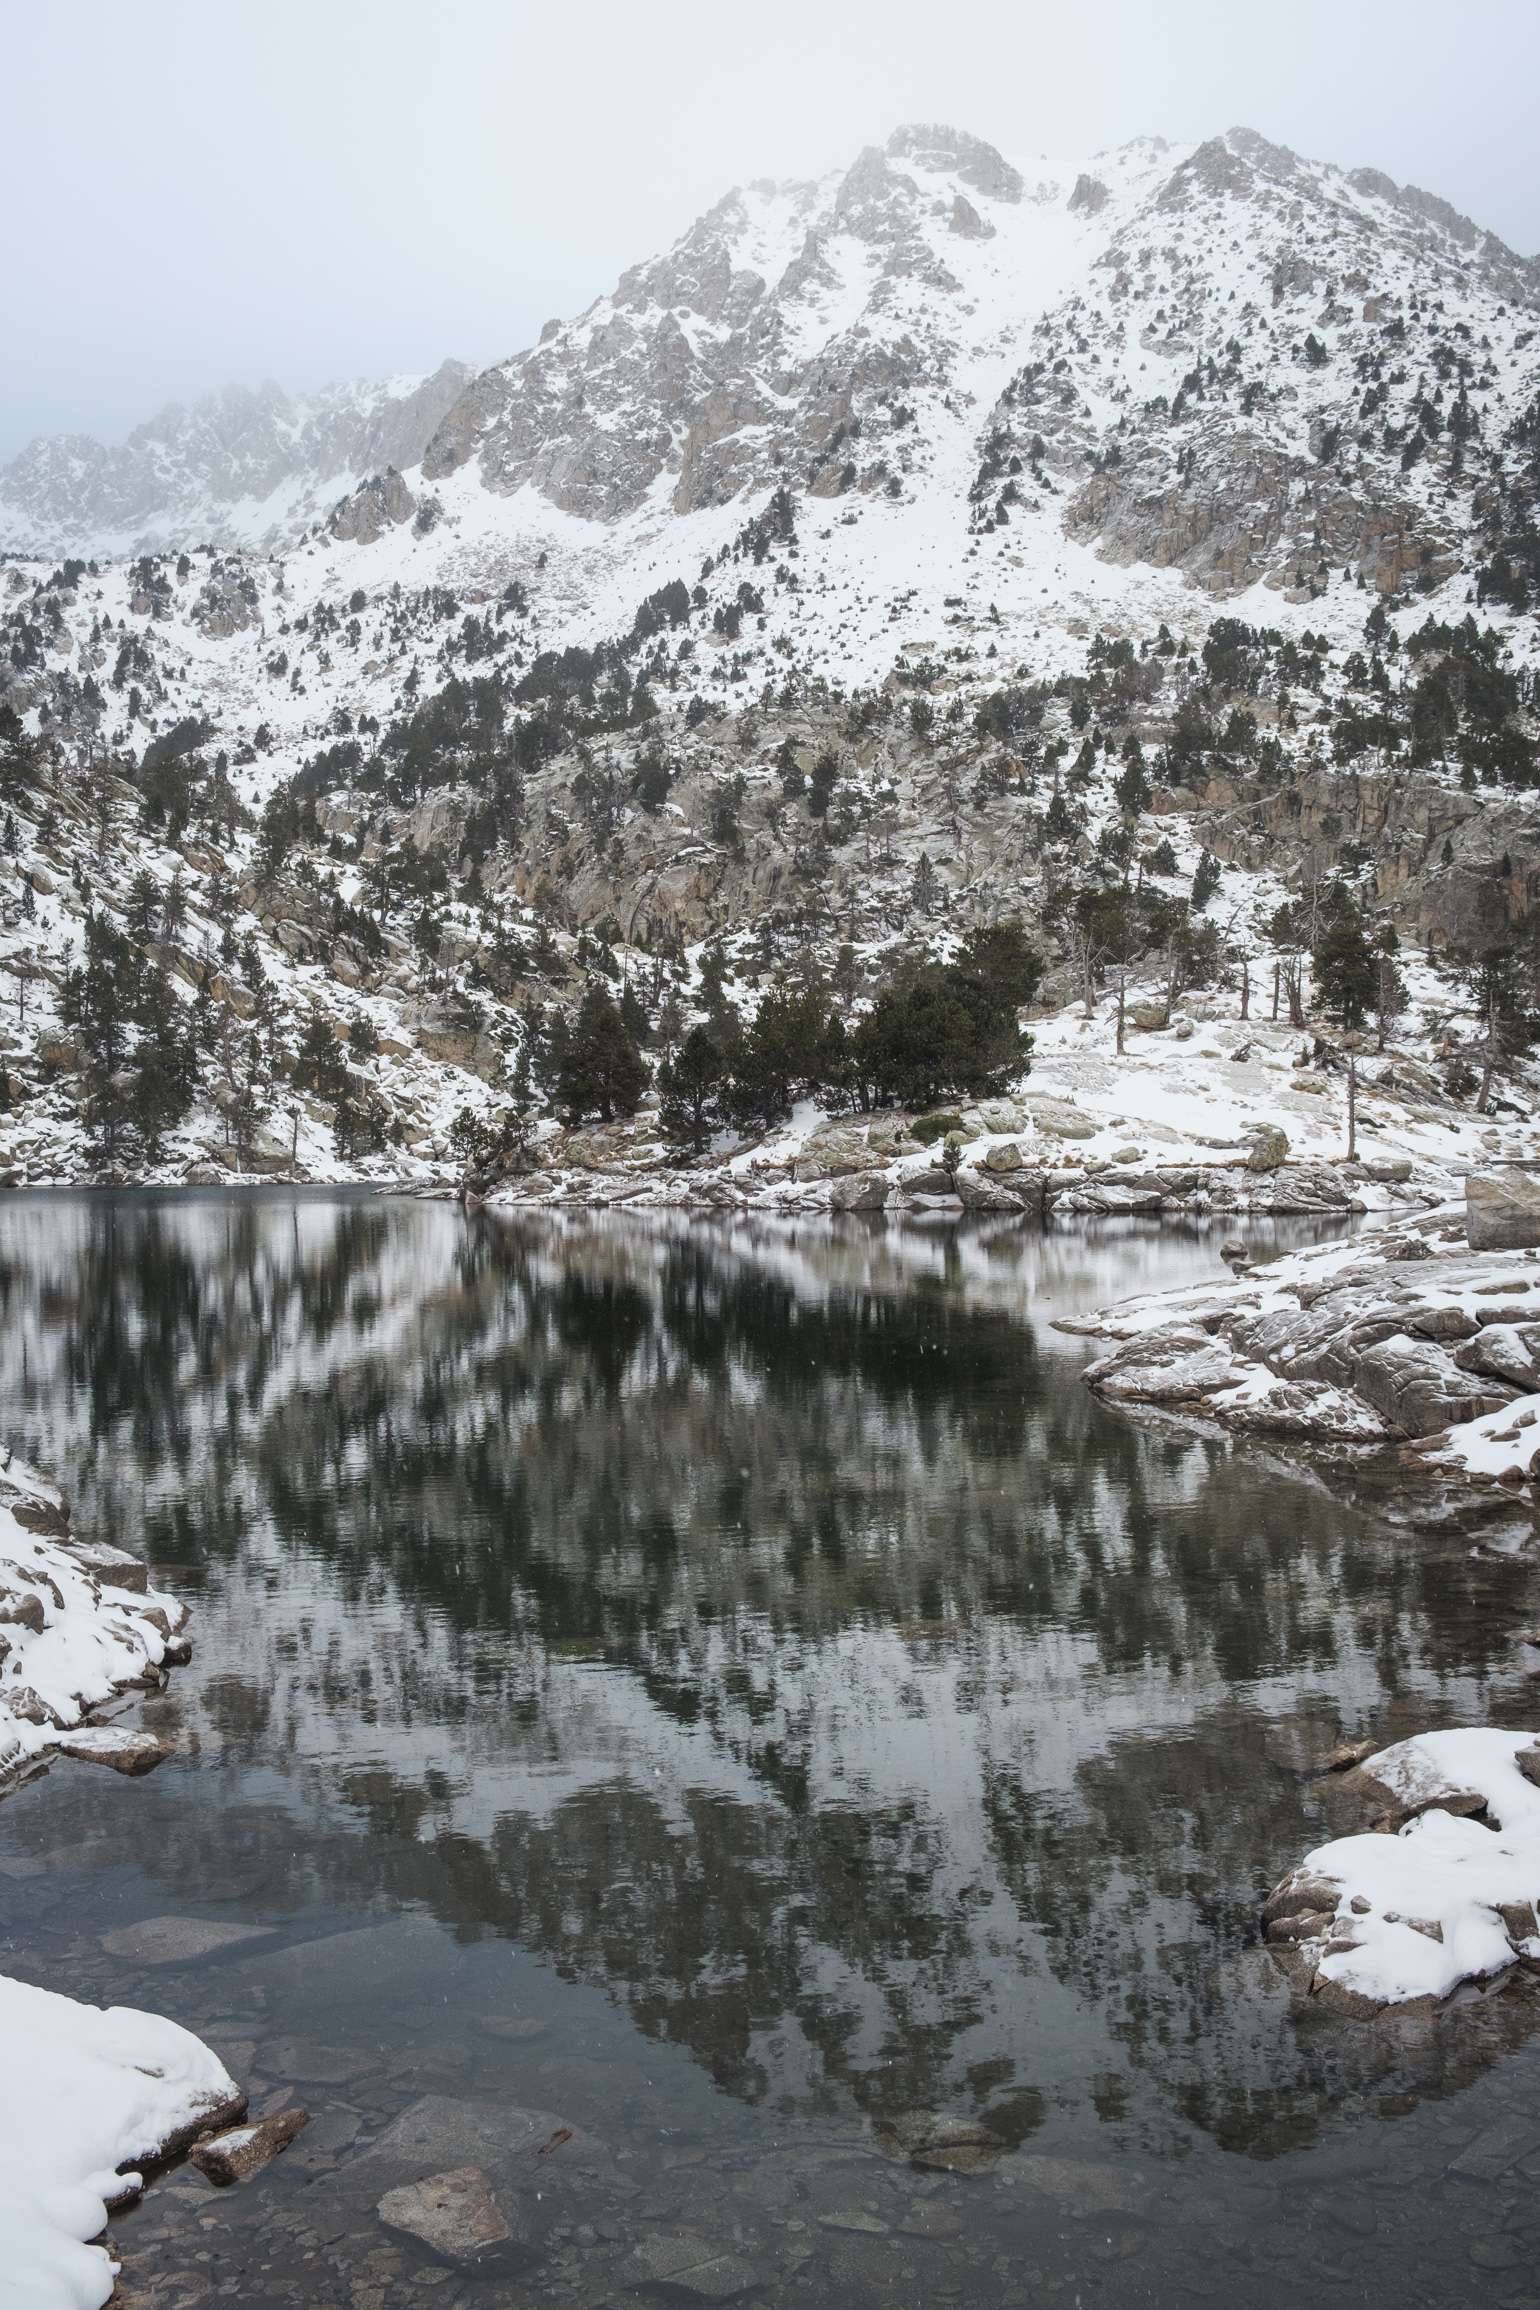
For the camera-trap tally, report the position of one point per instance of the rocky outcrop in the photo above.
(1403, 1344)
(78, 1624)
(226, 605)
(1502, 1212)
(381, 503)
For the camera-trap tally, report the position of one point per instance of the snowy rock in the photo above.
(78, 1624)
(125, 1750)
(240, 2152)
(111, 1567)
(1269, 1148)
(1443, 1892)
(373, 507)
(837, 1150)
(1178, 1366)
(1417, 1388)
(977, 1190)
(1056, 1119)
(863, 1191)
(1502, 1352)
(1349, 1346)
(123, 2090)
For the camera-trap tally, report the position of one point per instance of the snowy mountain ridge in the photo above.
(810, 588)
(244, 466)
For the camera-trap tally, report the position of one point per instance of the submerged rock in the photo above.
(689, 2263)
(941, 2142)
(454, 2215)
(179, 1940)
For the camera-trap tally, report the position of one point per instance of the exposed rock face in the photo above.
(725, 370)
(374, 506)
(226, 605)
(1502, 1212)
(1350, 1347)
(1446, 861)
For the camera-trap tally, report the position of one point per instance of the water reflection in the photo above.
(759, 1624)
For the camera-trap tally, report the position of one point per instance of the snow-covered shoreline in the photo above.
(79, 1623)
(1404, 1347)
(88, 2096)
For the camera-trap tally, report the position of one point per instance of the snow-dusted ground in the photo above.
(1381, 1919)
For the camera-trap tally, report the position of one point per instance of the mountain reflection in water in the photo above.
(760, 1623)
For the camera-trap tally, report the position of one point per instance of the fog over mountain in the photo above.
(225, 196)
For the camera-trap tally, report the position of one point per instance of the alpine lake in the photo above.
(710, 1723)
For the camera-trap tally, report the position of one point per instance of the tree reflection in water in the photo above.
(761, 1623)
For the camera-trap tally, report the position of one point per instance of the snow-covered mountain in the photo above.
(957, 476)
(242, 467)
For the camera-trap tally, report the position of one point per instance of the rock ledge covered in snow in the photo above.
(1440, 1890)
(79, 1623)
(1402, 1348)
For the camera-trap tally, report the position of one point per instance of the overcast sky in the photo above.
(199, 190)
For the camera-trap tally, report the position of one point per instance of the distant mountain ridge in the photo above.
(244, 466)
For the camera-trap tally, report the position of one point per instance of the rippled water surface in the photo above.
(730, 1692)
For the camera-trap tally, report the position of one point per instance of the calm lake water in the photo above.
(729, 1691)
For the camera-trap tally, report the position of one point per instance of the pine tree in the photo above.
(690, 1087)
(597, 1066)
(1345, 965)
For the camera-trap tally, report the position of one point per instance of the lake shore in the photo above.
(1410, 1353)
(89, 2097)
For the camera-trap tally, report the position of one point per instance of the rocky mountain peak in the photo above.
(951, 151)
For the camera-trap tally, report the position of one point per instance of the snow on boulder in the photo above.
(77, 1624)
(86, 2096)
(1441, 1891)
(1170, 1367)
